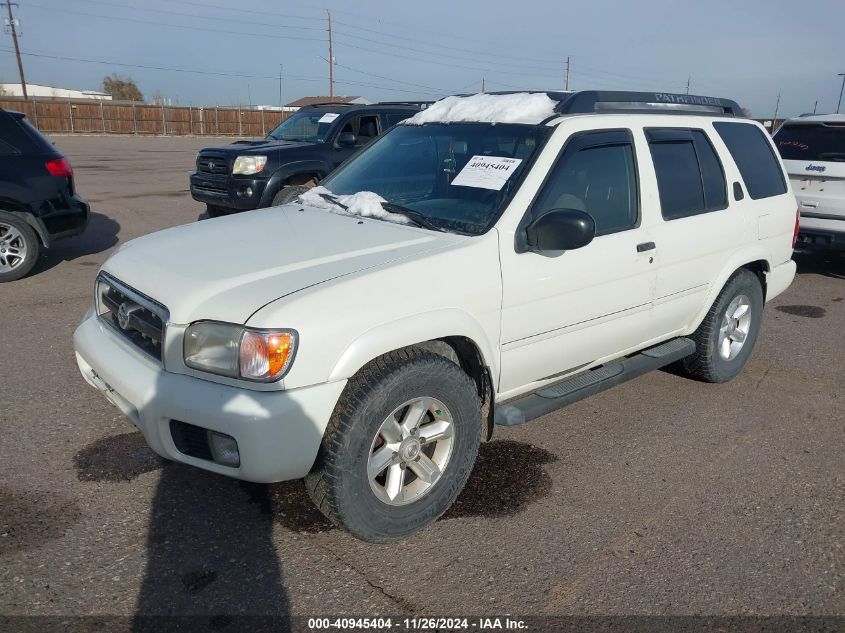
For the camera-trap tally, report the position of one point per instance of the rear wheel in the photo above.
(19, 247)
(726, 337)
(400, 446)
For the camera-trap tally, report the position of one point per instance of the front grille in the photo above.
(190, 440)
(134, 316)
(210, 164)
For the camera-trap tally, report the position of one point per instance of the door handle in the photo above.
(646, 246)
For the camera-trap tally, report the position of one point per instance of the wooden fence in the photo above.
(87, 116)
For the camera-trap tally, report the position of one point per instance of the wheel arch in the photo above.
(288, 171)
(756, 260)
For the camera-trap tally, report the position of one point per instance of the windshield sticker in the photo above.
(328, 117)
(487, 172)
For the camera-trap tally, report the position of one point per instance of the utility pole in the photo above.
(566, 80)
(688, 80)
(280, 89)
(841, 90)
(9, 4)
(482, 84)
(775, 118)
(331, 57)
(815, 105)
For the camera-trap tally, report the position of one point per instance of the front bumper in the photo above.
(228, 192)
(278, 432)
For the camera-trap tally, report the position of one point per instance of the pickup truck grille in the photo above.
(134, 316)
(210, 164)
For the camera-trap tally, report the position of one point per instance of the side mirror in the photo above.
(560, 230)
(347, 139)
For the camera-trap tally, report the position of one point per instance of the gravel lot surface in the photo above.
(663, 496)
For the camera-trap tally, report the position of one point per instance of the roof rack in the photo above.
(412, 103)
(331, 103)
(602, 101)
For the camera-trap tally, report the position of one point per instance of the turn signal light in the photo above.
(265, 355)
(795, 232)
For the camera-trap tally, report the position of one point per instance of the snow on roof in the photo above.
(521, 107)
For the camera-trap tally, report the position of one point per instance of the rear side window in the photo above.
(810, 142)
(757, 163)
(689, 175)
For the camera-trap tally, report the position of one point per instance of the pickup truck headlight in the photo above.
(247, 165)
(236, 351)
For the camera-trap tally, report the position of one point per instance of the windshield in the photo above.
(453, 176)
(310, 126)
(811, 142)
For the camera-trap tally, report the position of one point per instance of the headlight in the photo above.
(239, 352)
(247, 165)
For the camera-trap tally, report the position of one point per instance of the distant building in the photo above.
(304, 101)
(35, 90)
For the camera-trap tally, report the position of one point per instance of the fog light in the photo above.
(224, 449)
(248, 192)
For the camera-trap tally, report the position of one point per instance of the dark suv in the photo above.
(38, 204)
(305, 147)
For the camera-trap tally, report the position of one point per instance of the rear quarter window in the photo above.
(17, 133)
(811, 142)
(754, 157)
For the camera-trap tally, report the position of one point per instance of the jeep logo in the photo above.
(818, 168)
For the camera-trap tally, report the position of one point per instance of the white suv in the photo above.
(813, 150)
(505, 253)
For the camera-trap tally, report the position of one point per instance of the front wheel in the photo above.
(19, 247)
(726, 337)
(400, 446)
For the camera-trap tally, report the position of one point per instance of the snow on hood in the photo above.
(365, 204)
(522, 107)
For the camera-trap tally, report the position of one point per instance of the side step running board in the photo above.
(548, 399)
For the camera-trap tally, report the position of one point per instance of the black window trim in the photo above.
(673, 134)
(772, 149)
(581, 140)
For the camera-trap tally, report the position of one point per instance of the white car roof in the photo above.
(818, 118)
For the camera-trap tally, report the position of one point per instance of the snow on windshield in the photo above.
(365, 204)
(523, 107)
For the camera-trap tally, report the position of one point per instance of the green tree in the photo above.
(121, 88)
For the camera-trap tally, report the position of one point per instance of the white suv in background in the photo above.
(519, 251)
(813, 150)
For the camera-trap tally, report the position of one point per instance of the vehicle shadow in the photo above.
(100, 235)
(827, 263)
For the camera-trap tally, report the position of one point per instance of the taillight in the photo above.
(59, 167)
(795, 233)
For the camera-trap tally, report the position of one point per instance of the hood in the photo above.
(227, 268)
(255, 147)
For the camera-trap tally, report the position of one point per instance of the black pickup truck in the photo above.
(306, 146)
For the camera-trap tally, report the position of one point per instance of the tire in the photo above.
(720, 355)
(212, 211)
(19, 247)
(288, 194)
(400, 385)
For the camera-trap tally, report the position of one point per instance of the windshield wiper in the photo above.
(334, 200)
(416, 217)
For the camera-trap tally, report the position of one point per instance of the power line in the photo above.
(176, 26)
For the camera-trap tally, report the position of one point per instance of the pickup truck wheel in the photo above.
(19, 248)
(288, 194)
(726, 337)
(400, 446)
(212, 211)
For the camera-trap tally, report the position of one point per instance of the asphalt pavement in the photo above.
(663, 496)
